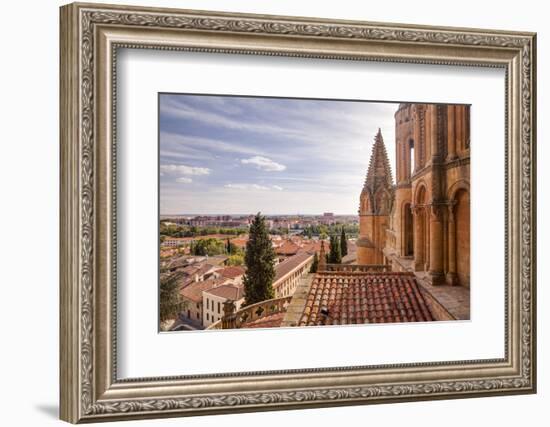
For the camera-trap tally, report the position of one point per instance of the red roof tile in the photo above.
(240, 242)
(194, 290)
(232, 272)
(287, 248)
(356, 297)
(314, 246)
(231, 292)
(271, 321)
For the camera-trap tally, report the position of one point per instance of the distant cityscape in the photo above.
(403, 257)
(292, 223)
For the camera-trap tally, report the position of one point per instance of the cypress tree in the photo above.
(259, 259)
(228, 246)
(335, 254)
(344, 242)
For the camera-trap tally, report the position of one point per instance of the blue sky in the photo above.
(233, 155)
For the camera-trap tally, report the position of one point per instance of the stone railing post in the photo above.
(229, 317)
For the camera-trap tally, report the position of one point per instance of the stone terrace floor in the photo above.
(456, 299)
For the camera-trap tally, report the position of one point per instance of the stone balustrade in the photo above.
(359, 268)
(252, 312)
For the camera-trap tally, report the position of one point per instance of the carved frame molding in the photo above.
(90, 37)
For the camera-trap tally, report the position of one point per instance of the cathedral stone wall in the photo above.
(422, 223)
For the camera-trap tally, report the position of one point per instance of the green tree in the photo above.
(343, 243)
(235, 259)
(259, 260)
(208, 247)
(314, 264)
(335, 254)
(169, 297)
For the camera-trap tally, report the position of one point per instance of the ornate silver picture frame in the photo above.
(91, 35)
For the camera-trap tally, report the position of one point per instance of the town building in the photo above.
(213, 300)
(174, 242)
(234, 274)
(192, 299)
(289, 272)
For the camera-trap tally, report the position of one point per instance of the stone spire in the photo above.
(379, 172)
(375, 205)
(322, 266)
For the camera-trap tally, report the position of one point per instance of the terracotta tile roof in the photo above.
(178, 262)
(314, 246)
(289, 264)
(287, 248)
(194, 290)
(231, 292)
(355, 297)
(192, 269)
(217, 260)
(271, 321)
(232, 272)
(200, 269)
(240, 242)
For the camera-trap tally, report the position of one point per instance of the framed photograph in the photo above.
(266, 213)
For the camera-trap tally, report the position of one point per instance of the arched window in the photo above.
(411, 158)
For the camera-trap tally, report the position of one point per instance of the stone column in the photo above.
(451, 136)
(451, 277)
(418, 239)
(436, 244)
(400, 151)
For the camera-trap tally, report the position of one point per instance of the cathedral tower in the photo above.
(375, 205)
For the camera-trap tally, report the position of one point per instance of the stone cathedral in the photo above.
(421, 223)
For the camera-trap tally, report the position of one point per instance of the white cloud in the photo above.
(246, 187)
(263, 163)
(177, 109)
(184, 180)
(250, 187)
(204, 146)
(184, 170)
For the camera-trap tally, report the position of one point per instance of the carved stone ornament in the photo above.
(90, 37)
(451, 205)
(437, 210)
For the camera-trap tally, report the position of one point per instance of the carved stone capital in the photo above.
(437, 210)
(451, 205)
(417, 209)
